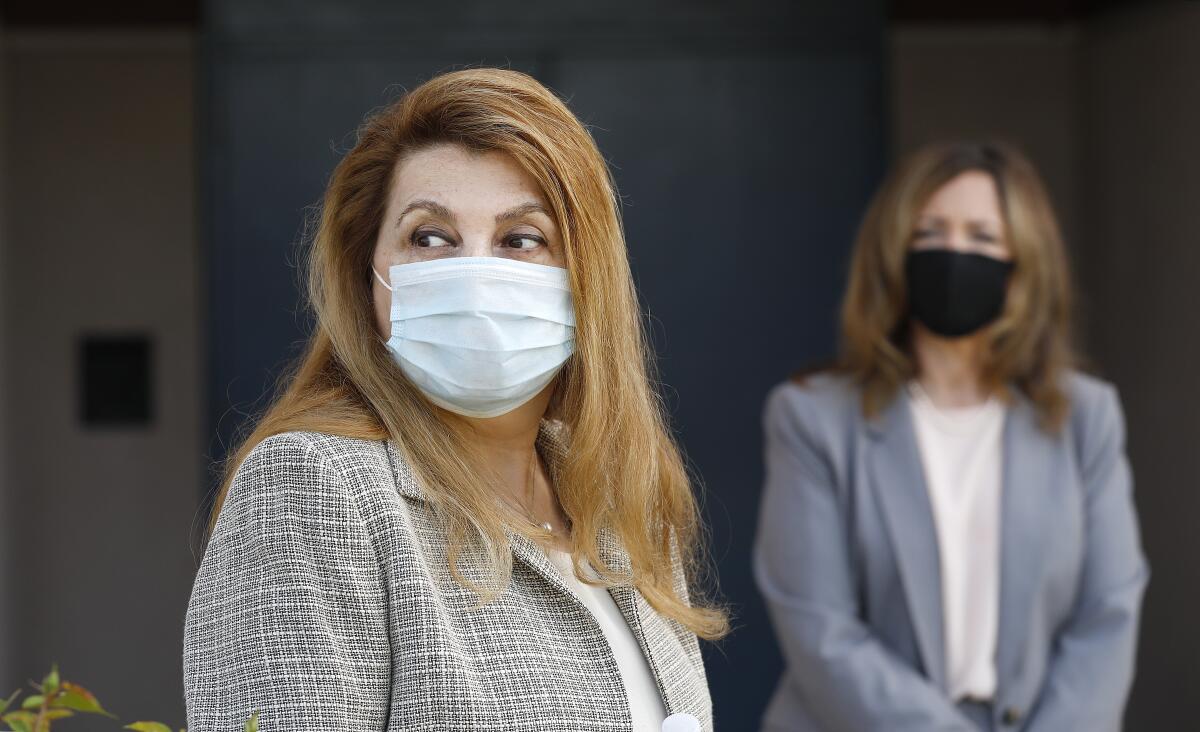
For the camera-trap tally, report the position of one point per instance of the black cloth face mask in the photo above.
(954, 293)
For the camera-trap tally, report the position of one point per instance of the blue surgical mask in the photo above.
(480, 336)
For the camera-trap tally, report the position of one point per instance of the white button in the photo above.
(681, 723)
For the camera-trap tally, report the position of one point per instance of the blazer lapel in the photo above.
(678, 684)
(899, 482)
(1027, 475)
(527, 551)
(658, 641)
(667, 660)
(523, 549)
(407, 484)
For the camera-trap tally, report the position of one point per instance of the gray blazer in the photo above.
(324, 600)
(847, 560)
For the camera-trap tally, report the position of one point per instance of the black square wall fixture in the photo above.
(115, 377)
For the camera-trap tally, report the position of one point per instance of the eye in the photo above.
(429, 239)
(525, 242)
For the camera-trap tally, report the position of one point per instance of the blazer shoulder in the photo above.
(1085, 389)
(332, 462)
(1094, 402)
(827, 397)
(816, 420)
(1096, 420)
(335, 451)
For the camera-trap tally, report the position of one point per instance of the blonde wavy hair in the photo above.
(622, 472)
(1029, 345)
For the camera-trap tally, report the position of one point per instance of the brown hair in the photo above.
(1029, 345)
(622, 472)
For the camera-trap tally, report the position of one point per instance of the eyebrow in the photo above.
(938, 219)
(426, 204)
(517, 212)
(441, 211)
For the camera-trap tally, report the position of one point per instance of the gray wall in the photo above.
(745, 141)
(1141, 264)
(1018, 82)
(7, 559)
(99, 237)
(1108, 109)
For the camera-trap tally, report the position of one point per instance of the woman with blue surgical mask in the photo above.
(947, 538)
(465, 512)
(480, 333)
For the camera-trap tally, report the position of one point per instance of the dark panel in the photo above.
(115, 377)
(83, 14)
(1003, 11)
(743, 179)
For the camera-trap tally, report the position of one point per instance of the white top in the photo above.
(645, 703)
(961, 455)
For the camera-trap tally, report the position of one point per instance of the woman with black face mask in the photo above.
(947, 538)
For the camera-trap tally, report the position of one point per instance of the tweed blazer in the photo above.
(324, 601)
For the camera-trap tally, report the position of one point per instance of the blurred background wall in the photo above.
(7, 554)
(100, 253)
(159, 160)
(1142, 190)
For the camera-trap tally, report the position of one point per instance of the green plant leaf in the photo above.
(148, 727)
(4, 704)
(33, 702)
(50, 683)
(21, 721)
(252, 723)
(74, 696)
(58, 714)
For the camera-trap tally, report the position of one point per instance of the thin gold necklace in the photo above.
(529, 481)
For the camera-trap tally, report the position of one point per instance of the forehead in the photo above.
(460, 178)
(971, 194)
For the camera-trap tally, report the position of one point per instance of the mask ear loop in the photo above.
(384, 341)
(381, 280)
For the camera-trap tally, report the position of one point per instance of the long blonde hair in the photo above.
(623, 472)
(1029, 345)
